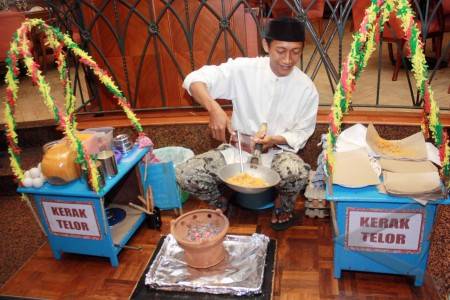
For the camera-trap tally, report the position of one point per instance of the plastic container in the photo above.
(102, 140)
(89, 141)
(58, 163)
(122, 143)
(161, 178)
(177, 155)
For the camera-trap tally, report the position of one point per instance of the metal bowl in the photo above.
(270, 176)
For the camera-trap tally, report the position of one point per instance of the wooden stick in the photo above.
(38, 220)
(334, 218)
(140, 208)
(142, 199)
(145, 168)
(147, 199)
(151, 203)
(330, 185)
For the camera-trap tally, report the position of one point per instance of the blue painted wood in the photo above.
(371, 194)
(78, 192)
(412, 264)
(161, 178)
(79, 187)
(130, 233)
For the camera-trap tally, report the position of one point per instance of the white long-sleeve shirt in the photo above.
(287, 104)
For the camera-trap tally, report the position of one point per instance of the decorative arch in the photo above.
(363, 45)
(64, 117)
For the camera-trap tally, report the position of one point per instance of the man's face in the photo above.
(283, 56)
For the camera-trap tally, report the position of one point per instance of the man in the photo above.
(269, 90)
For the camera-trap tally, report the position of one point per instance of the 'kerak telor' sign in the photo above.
(387, 230)
(73, 219)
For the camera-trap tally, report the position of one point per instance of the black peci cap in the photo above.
(285, 29)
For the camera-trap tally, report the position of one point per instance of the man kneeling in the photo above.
(271, 90)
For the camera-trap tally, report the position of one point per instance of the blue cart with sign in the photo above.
(376, 232)
(74, 216)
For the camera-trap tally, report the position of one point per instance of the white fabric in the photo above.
(288, 104)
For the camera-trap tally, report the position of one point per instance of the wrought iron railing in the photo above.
(81, 18)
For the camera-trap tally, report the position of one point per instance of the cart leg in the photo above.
(336, 271)
(57, 254)
(419, 280)
(114, 261)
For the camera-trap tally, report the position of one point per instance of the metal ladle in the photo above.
(240, 151)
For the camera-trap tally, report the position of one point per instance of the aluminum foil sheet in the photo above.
(240, 273)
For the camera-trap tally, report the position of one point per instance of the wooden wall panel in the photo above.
(140, 46)
(104, 47)
(150, 68)
(176, 43)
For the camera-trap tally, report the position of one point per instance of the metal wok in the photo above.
(270, 176)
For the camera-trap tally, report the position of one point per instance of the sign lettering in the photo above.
(71, 219)
(397, 231)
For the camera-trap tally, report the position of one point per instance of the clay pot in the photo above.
(205, 252)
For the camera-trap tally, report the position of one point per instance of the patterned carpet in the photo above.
(21, 235)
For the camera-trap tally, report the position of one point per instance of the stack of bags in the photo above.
(354, 165)
(406, 170)
(362, 156)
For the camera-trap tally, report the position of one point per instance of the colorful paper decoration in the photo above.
(20, 48)
(363, 45)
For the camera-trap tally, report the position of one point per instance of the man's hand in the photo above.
(218, 118)
(262, 138)
(268, 141)
(218, 123)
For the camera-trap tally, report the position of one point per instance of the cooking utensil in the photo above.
(122, 143)
(108, 163)
(270, 176)
(101, 178)
(256, 156)
(149, 199)
(240, 151)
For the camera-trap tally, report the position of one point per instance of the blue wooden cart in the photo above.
(376, 232)
(74, 217)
